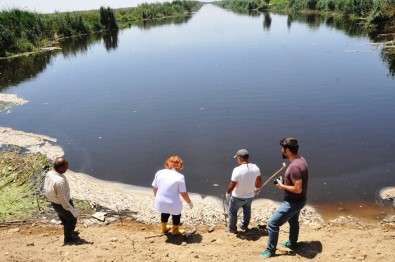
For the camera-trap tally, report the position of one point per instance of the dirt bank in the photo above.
(132, 241)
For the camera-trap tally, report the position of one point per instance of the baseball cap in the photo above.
(242, 153)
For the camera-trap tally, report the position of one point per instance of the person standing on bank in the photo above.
(295, 190)
(57, 192)
(168, 185)
(246, 178)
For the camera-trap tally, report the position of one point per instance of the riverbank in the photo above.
(137, 237)
(126, 228)
(115, 236)
(43, 30)
(139, 201)
(132, 241)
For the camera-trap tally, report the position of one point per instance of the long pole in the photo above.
(270, 178)
(223, 204)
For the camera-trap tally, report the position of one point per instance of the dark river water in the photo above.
(203, 87)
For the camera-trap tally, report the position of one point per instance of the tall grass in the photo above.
(243, 5)
(375, 11)
(25, 31)
(383, 11)
(157, 11)
(21, 30)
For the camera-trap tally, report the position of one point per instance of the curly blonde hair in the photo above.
(174, 162)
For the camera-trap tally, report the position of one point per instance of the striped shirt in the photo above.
(57, 189)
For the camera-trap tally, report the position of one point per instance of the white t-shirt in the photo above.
(170, 184)
(245, 175)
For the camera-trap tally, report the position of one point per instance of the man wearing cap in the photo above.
(245, 179)
(295, 190)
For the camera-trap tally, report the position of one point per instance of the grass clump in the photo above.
(21, 179)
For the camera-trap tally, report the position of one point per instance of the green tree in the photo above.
(107, 18)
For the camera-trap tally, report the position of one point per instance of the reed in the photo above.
(157, 11)
(24, 31)
(242, 5)
(375, 11)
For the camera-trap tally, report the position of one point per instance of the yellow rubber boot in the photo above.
(177, 230)
(165, 227)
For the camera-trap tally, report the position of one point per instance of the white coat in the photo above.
(170, 184)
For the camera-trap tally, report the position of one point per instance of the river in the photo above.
(203, 87)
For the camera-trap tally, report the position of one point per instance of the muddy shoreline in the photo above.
(208, 210)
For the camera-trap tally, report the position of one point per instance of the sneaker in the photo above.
(288, 244)
(243, 227)
(266, 254)
(73, 240)
(233, 231)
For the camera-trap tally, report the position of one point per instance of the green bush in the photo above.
(24, 31)
(242, 5)
(107, 18)
(382, 11)
(377, 11)
(303, 4)
(20, 31)
(347, 6)
(157, 10)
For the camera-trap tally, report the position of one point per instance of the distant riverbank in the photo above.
(37, 31)
(43, 30)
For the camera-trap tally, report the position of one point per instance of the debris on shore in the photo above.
(31, 142)
(8, 101)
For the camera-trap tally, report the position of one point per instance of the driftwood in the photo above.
(13, 222)
(187, 234)
(158, 235)
(224, 206)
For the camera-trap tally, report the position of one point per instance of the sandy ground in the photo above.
(125, 239)
(132, 241)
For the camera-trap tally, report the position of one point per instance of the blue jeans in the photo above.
(234, 205)
(285, 212)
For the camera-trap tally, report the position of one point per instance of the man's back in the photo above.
(245, 176)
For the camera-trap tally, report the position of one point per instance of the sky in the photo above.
(50, 6)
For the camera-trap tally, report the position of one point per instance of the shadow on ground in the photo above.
(306, 249)
(187, 238)
(253, 234)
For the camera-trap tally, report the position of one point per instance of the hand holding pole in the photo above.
(270, 178)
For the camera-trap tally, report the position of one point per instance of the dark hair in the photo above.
(290, 143)
(59, 163)
(245, 157)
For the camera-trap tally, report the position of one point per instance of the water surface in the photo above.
(207, 85)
